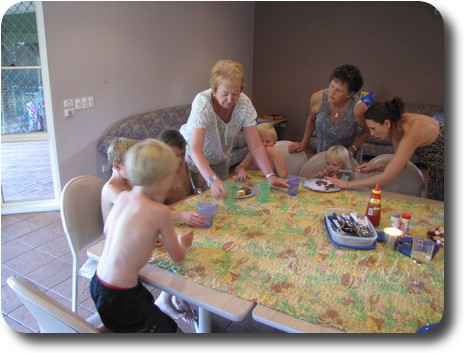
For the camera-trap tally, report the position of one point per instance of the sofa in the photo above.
(151, 124)
(374, 146)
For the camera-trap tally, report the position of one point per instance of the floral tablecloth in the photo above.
(278, 254)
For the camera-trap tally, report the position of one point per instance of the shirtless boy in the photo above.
(268, 136)
(118, 181)
(181, 188)
(132, 228)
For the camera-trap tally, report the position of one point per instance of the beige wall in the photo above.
(398, 46)
(134, 57)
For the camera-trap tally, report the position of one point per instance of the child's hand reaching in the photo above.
(186, 239)
(193, 219)
(242, 175)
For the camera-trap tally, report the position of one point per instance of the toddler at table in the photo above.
(336, 158)
(268, 136)
(118, 181)
(132, 228)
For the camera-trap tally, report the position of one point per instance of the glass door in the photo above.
(26, 164)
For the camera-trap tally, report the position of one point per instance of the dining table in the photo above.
(276, 261)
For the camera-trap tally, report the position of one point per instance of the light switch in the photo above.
(85, 103)
(78, 103)
(91, 102)
(68, 102)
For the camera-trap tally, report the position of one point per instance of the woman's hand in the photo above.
(278, 182)
(219, 190)
(367, 168)
(192, 219)
(295, 147)
(344, 184)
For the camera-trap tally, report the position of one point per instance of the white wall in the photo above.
(134, 57)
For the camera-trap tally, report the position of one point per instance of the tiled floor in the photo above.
(34, 246)
(26, 171)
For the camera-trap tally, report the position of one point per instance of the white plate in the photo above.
(253, 192)
(312, 184)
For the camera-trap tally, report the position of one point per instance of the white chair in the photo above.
(409, 181)
(317, 162)
(82, 222)
(51, 316)
(294, 161)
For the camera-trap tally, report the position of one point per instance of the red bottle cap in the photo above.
(377, 190)
(406, 216)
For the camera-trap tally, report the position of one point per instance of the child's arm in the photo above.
(176, 247)
(240, 169)
(193, 219)
(278, 161)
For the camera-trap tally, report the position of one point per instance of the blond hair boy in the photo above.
(118, 181)
(132, 228)
(268, 136)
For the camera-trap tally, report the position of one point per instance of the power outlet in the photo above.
(68, 113)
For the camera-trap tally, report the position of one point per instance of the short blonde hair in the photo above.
(226, 71)
(118, 149)
(268, 128)
(149, 161)
(338, 154)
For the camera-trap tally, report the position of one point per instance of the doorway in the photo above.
(29, 178)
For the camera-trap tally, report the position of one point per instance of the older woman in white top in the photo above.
(217, 116)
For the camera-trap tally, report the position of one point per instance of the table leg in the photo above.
(203, 325)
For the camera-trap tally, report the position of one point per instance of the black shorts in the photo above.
(129, 310)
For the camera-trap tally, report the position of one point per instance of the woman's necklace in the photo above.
(336, 115)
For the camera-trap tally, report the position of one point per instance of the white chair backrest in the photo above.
(51, 316)
(317, 162)
(409, 181)
(81, 210)
(294, 161)
(82, 220)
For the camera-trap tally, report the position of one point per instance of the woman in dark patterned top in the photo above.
(337, 114)
(409, 133)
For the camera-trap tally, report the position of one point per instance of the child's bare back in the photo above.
(132, 229)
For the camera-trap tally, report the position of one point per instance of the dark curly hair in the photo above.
(381, 111)
(349, 74)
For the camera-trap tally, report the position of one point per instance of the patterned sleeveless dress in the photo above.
(342, 133)
(433, 157)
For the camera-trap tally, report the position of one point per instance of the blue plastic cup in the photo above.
(294, 182)
(207, 210)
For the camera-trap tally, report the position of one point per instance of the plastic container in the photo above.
(349, 240)
(373, 207)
